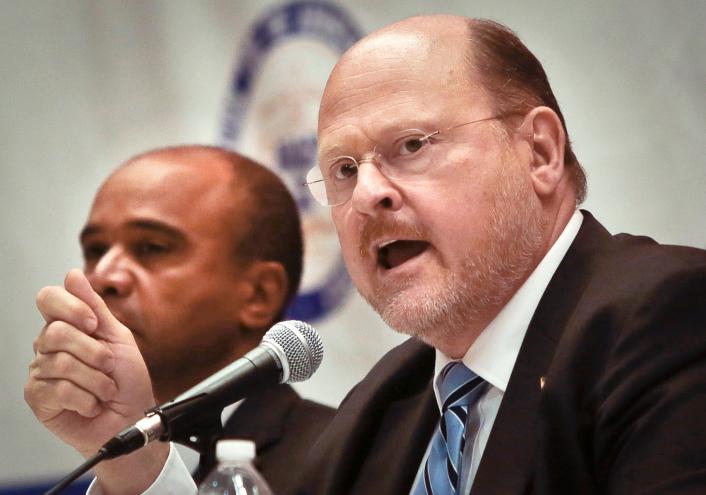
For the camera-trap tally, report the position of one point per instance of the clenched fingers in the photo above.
(64, 366)
(56, 303)
(49, 398)
(60, 336)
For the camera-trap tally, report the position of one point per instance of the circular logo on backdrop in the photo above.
(271, 114)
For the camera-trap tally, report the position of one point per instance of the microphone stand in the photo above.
(199, 432)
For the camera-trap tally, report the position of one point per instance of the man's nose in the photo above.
(111, 275)
(374, 191)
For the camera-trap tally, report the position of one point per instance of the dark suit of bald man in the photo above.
(608, 393)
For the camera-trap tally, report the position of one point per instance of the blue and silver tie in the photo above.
(458, 388)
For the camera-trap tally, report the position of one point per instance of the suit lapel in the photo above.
(508, 460)
(399, 445)
(376, 441)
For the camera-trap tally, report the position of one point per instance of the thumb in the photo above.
(108, 328)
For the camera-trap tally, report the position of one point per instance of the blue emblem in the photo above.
(302, 39)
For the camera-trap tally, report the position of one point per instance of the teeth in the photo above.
(386, 243)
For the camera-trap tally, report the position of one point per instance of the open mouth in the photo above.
(395, 253)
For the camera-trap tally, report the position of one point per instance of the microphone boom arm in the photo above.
(186, 415)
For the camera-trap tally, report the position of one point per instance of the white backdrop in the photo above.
(86, 84)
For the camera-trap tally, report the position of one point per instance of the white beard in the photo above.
(443, 310)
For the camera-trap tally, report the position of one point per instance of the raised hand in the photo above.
(88, 380)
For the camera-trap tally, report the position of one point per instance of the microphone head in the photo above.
(300, 346)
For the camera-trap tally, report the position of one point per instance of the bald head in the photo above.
(483, 57)
(418, 37)
(426, 49)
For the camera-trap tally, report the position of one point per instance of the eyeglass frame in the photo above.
(424, 137)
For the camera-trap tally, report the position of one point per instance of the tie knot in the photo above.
(458, 386)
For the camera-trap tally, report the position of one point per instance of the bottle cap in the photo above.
(235, 450)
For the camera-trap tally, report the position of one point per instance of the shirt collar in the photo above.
(492, 356)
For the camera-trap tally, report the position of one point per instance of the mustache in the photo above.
(395, 228)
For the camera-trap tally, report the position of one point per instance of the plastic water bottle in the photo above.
(234, 474)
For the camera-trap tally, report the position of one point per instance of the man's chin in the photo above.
(407, 312)
(432, 311)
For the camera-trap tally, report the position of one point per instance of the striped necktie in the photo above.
(458, 388)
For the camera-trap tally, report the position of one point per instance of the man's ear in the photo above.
(267, 284)
(543, 131)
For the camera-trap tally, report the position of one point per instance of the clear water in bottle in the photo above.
(234, 474)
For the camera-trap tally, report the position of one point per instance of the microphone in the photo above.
(289, 352)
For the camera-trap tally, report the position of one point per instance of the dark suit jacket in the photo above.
(284, 427)
(619, 338)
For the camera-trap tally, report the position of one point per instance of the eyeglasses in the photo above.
(406, 155)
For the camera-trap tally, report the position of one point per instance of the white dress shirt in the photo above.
(493, 354)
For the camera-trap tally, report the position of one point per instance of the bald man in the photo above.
(191, 253)
(547, 355)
